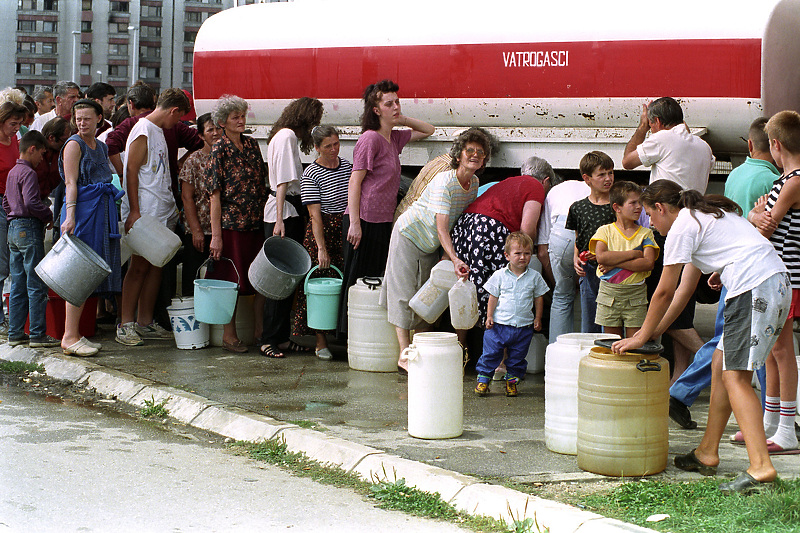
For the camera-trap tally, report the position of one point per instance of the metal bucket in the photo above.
(279, 267)
(72, 269)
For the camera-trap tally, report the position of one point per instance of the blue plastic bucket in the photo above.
(215, 300)
(322, 300)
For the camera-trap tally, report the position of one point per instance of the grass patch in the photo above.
(307, 424)
(152, 409)
(19, 367)
(699, 507)
(394, 495)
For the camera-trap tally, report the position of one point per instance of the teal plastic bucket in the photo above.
(215, 300)
(322, 300)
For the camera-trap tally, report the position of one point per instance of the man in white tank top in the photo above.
(147, 185)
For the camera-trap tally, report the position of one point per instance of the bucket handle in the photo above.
(238, 279)
(410, 353)
(371, 282)
(305, 283)
(648, 366)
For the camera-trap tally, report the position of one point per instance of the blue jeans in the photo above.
(697, 375)
(590, 284)
(28, 292)
(3, 253)
(561, 243)
(495, 340)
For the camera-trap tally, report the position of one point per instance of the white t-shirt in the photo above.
(283, 162)
(557, 203)
(41, 120)
(155, 183)
(677, 155)
(729, 245)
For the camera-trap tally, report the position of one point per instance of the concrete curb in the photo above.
(465, 493)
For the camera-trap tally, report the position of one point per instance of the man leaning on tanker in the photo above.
(672, 153)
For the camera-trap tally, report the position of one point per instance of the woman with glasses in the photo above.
(425, 227)
(374, 183)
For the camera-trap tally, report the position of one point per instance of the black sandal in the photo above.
(267, 350)
(294, 347)
(691, 463)
(744, 484)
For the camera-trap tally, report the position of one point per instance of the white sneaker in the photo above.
(152, 331)
(126, 334)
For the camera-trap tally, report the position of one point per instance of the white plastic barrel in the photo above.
(623, 413)
(561, 389)
(435, 386)
(245, 325)
(431, 300)
(371, 342)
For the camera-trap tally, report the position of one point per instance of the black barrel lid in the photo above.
(649, 348)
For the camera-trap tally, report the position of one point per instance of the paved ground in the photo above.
(503, 437)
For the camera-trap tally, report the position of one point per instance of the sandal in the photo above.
(81, 348)
(324, 354)
(234, 347)
(294, 347)
(268, 350)
(691, 463)
(744, 484)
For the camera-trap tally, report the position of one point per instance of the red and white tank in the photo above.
(553, 79)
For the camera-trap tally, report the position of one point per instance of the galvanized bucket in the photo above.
(72, 269)
(279, 267)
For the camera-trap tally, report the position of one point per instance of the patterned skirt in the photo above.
(479, 241)
(332, 228)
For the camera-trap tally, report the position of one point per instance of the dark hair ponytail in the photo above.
(670, 193)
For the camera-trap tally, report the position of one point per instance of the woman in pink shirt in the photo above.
(372, 191)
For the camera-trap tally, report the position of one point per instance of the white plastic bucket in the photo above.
(432, 299)
(190, 334)
(562, 359)
(435, 386)
(371, 341)
(152, 240)
(463, 300)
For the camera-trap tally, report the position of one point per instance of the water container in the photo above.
(535, 356)
(72, 269)
(322, 300)
(371, 342)
(561, 389)
(431, 300)
(245, 324)
(463, 299)
(279, 267)
(190, 333)
(215, 300)
(152, 240)
(623, 413)
(435, 386)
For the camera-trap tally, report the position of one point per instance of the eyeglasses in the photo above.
(472, 151)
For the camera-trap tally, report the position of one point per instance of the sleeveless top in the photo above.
(93, 167)
(786, 238)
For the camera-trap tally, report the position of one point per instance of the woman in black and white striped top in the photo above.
(323, 190)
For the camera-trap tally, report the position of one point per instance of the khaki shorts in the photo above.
(621, 305)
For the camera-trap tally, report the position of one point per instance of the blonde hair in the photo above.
(9, 94)
(520, 238)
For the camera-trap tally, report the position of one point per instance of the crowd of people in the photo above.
(517, 240)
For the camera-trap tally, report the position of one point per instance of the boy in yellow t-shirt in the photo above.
(625, 254)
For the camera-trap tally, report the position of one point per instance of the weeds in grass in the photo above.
(19, 367)
(699, 507)
(307, 424)
(390, 494)
(152, 409)
(527, 525)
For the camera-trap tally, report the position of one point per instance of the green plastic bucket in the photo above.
(214, 299)
(322, 300)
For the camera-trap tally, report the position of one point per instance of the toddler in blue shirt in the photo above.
(514, 292)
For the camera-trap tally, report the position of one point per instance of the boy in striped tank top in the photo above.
(778, 219)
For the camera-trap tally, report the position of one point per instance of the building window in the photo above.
(24, 68)
(151, 31)
(150, 51)
(50, 5)
(187, 77)
(117, 49)
(49, 69)
(85, 70)
(26, 25)
(118, 27)
(151, 11)
(194, 16)
(86, 26)
(120, 7)
(187, 57)
(26, 4)
(189, 36)
(86, 48)
(118, 71)
(26, 48)
(49, 48)
(86, 5)
(49, 26)
(150, 72)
